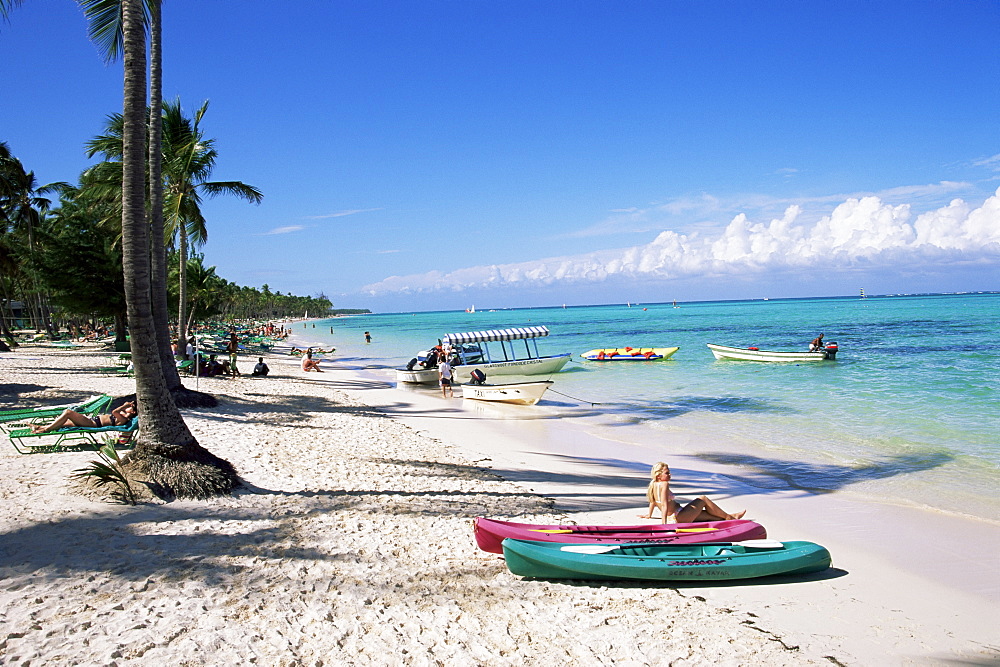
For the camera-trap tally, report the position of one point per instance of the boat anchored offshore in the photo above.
(517, 355)
(698, 562)
(630, 354)
(829, 352)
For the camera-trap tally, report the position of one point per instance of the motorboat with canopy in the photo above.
(514, 352)
(494, 352)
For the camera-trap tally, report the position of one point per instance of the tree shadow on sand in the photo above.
(110, 542)
(632, 413)
(819, 478)
(615, 484)
(15, 395)
(212, 544)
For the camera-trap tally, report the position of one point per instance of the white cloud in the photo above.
(341, 214)
(283, 230)
(925, 193)
(861, 231)
(700, 211)
(992, 162)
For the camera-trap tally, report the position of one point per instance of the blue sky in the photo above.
(434, 155)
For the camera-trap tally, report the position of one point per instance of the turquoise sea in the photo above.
(909, 413)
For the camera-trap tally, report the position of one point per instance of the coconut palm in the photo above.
(166, 453)
(189, 159)
(105, 28)
(23, 202)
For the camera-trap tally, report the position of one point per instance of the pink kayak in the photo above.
(490, 533)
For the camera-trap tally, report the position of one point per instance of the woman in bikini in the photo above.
(659, 495)
(118, 417)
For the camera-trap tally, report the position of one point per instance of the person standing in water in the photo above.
(368, 337)
(444, 373)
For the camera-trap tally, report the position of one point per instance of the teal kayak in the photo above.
(657, 561)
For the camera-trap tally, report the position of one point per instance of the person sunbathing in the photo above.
(310, 364)
(117, 417)
(659, 495)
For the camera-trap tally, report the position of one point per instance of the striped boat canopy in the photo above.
(496, 334)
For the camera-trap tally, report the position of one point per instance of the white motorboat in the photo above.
(513, 352)
(829, 352)
(417, 375)
(518, 393)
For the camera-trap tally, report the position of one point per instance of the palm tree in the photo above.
(206, 288)
(166, 455)
(105, 27)
(23, 202)
(189, 161)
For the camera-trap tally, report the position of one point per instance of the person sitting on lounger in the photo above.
(118, 417)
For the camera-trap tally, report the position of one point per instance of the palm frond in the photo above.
(104, 25)
(238, 188)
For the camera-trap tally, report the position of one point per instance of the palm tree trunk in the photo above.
(121, 328)
(4, 327)
(166, 455)
(157, 247)
(182, 252)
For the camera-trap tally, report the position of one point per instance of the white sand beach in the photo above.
(352, 544)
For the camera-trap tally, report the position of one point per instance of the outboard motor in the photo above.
(478, 377)
(427, 358)
(831, 350)
(411, 364)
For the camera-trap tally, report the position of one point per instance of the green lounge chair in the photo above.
(12, 418)
(117, 371)
(26, 442)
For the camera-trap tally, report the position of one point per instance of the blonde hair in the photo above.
(653, 474)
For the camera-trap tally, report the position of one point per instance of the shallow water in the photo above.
(909, 412)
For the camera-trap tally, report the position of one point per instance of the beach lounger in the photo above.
(117, 371)
(26, 442)
(12, 418)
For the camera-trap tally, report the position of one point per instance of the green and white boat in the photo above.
(664, 562)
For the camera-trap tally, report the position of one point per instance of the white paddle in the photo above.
(603, 548)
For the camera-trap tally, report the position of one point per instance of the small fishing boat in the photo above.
(630, 353)
(755, 354)
(490, 533)
(644, 561)
(518, 393)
